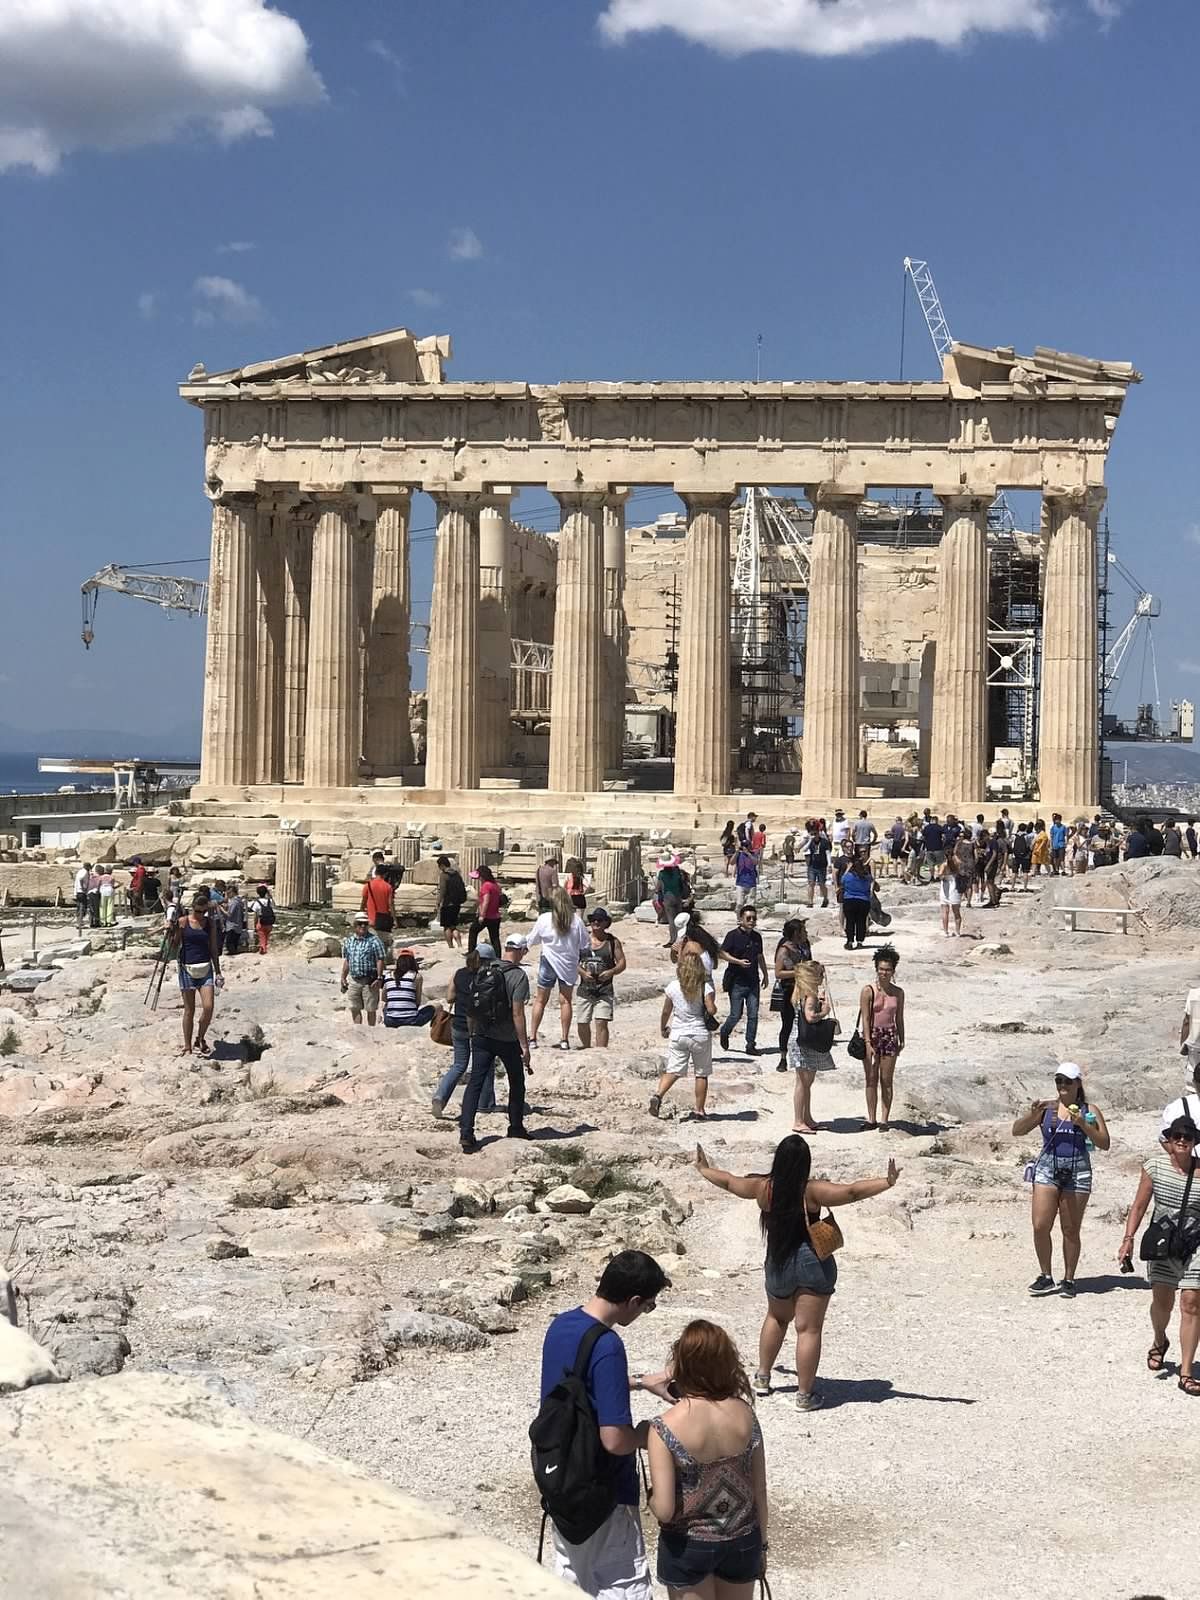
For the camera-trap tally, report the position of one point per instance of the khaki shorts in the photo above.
(694, 1053)
(361, 996)
(593, 1007)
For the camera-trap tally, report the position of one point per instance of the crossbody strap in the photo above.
(1187, 1193)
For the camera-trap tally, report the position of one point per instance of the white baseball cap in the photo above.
(1068, 1069)
(516, 941)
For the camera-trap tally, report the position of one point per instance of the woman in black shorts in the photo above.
(799, 1283)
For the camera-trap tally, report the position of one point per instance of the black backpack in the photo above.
(488, 1000)
(572, 1469)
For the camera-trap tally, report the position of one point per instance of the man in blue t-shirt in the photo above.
(613, 1561)
(1058, 844)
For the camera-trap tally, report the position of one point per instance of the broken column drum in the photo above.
(293, 871)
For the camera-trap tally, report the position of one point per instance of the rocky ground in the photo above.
(302, 1233)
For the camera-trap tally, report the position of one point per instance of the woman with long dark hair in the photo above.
(799, 1280)
(709, 1472)
(695, 940)
(729, 845)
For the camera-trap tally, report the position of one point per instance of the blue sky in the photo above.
(567, 205)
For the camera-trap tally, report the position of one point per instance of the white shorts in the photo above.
(612, 1564)
(694, 1053)
(948, 894)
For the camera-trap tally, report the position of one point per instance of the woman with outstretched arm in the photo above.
(800, 1272)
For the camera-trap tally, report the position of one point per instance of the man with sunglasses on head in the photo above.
(743, 949)
(611, 1564)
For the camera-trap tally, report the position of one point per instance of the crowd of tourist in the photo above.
(708, 1488)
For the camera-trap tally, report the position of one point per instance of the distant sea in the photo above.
(19, 775)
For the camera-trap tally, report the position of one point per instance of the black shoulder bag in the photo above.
(1171, 1238)
(858, 1045)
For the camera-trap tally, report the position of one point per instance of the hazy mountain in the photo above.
(1155, 763)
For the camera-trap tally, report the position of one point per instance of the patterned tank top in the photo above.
(714, 1500)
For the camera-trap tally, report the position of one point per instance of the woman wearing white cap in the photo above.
(1062, 1173)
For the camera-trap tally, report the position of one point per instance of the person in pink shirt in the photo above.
(487, 911)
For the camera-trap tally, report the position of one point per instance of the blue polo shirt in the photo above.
(607, 1384)
(1058, 835)
(932, 837)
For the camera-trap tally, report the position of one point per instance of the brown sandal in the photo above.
(1156, 1356)
(1189, 1385)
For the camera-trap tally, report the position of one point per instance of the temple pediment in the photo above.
(970, 366)
(393, 356)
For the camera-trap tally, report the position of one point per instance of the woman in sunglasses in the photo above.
(1171, 1178)
(1062, 1173)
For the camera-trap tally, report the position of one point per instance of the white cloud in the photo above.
(223, 300)
(830, 27)
(236, 247)
(1193, 533)
(427, 299)
(1187, 665)
(147, 304)
(464, 245)
(97, 74)
(384, 51)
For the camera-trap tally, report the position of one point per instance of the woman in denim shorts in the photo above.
(1062, 1173)
(799, 1284)
(709, 1475)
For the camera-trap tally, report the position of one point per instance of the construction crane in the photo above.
(1146, 606)
(188, 595)
(931, 305)
(939, 332)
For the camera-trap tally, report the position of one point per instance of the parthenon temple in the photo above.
(311, 463)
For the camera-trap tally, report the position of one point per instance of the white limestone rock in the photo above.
(23, 1362)
(319, 943)
(136, 1486)
(568, 1200)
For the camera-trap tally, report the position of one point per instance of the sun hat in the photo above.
(599, 914)
(666, 859)
(361, 916)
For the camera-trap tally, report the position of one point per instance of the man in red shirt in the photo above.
(378, 901)
(137, 887)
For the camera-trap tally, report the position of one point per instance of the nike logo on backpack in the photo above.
(548, 1470)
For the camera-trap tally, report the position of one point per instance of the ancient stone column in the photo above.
(228, 753)
(576, 741)
(297, 586)
(612, 878)
(702, 714)
(364, 588)
(831, 652)
(332, 712)
(574, 843)
(452, 747)
(616, 632)
(1069, 739)
(387, 743)
(407, 850)
(495, 633)
(293, 864)
(270, 643)
(959, 748)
